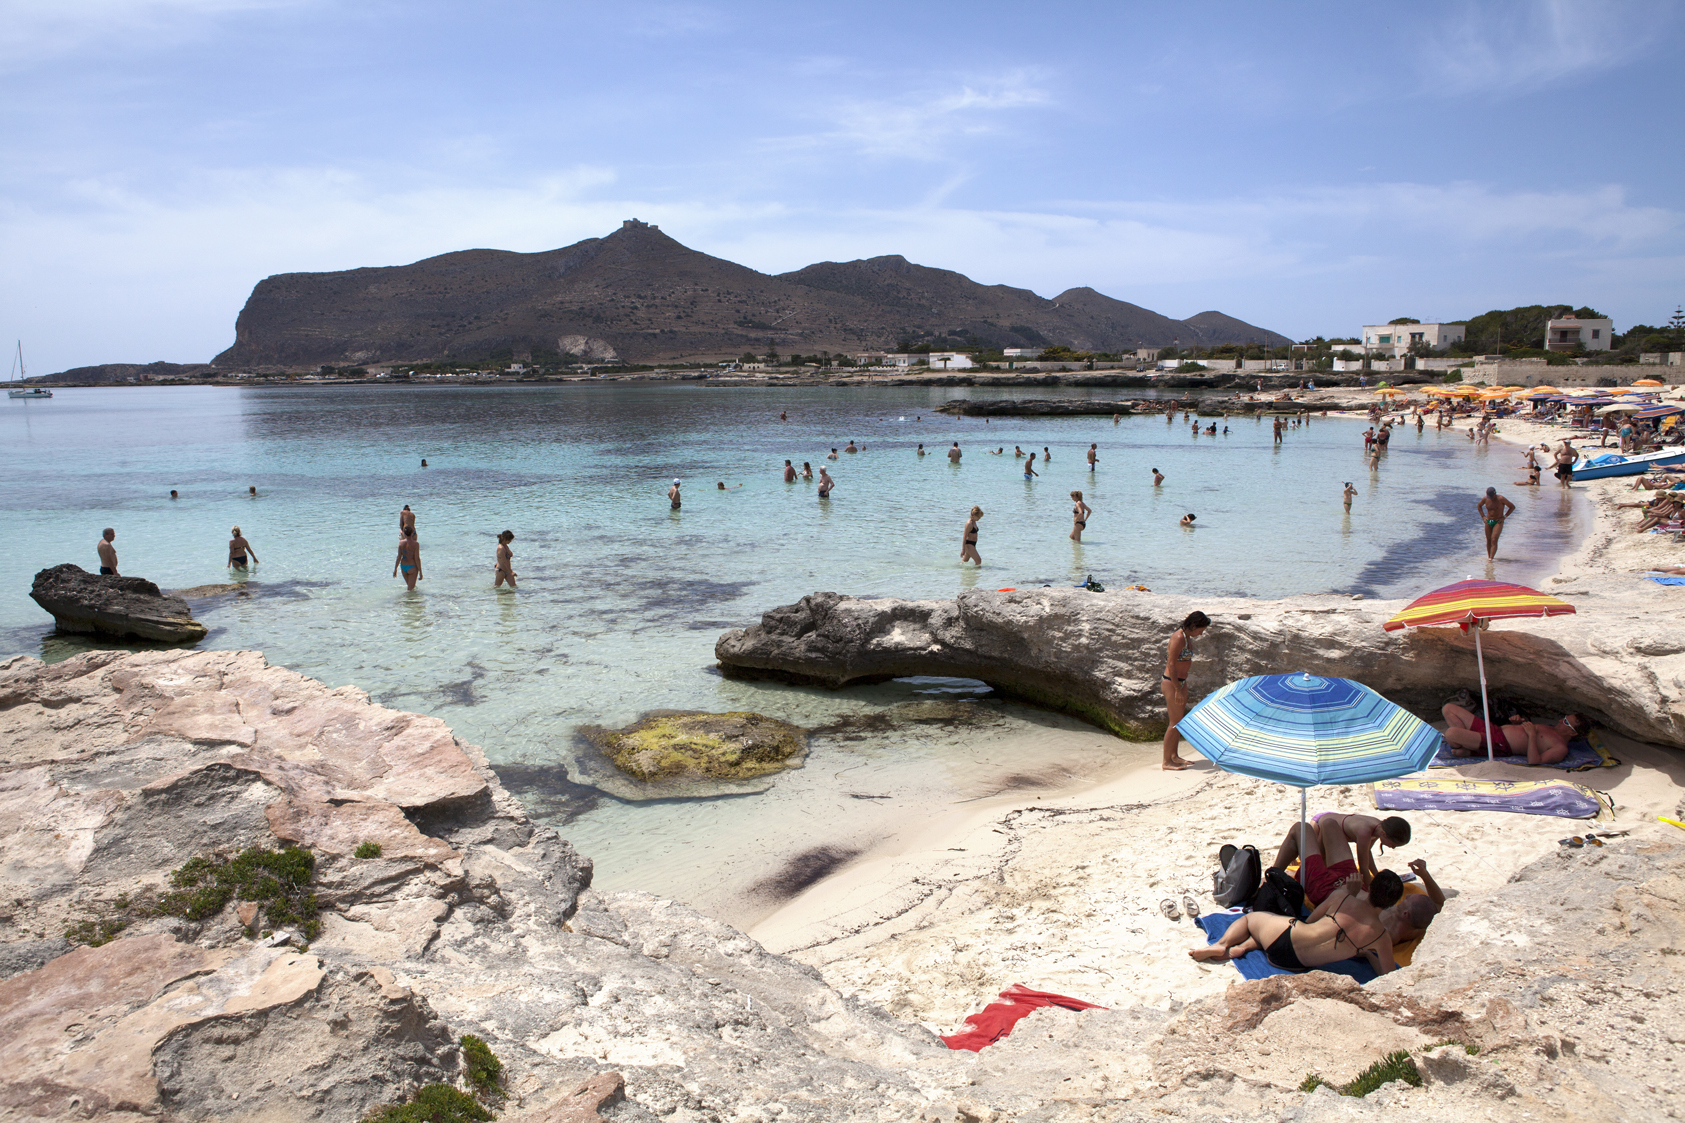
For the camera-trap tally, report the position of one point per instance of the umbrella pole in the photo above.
(1302, 838)
(1485, 707)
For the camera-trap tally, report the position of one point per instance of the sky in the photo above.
(1309, 167)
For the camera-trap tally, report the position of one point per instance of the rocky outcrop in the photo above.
(119, 607)
(1099, 655)
(730, 746)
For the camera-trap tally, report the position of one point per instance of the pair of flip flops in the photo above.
(1588, 839)
(1168, 907)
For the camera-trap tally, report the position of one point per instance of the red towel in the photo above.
(998, 1018)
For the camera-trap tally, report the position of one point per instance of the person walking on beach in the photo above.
(107, 554)
(1174, 683)
(1079, 516)
(504, 566)
(1093, 456)
(673, 495)
(409, 558)
(1494, 508)
(239, 550)
(954, 453)
(1030, 467)
(968, 539)
(826, 483)
(1349, 493)
(1158, 478)
(789, 472)
(1565, 457)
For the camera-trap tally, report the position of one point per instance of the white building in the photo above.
(1023, 352)
(949, 360)
(1569, 332)
(1396, 339)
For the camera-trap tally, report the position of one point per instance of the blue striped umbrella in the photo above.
(1305, 730)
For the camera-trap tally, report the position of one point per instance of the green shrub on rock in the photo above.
(367, 850)
(433, 1103)
(485, 1071)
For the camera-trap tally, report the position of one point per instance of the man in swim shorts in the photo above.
(1494, 508)
(1347, 924)
(673, 495)
(1345, 849)
(108, 554)
(1540, 744)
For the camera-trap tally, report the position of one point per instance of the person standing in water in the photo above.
(406, 518)
(1174, 683)
(1079, 516)
(1349, 492)
(239, 550)
(789, 472)
(1093, 456)
(1158, 478)
(954, 453)
(1045, 456)
(107, 554)
(673, 495)
(1030, 468)
(826, 483)
(1494, 508)
(504, 566)
(409, 558)
(807, 471)
(968, 539)
(921, 450)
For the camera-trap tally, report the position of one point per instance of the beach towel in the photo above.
(1663, 579)
(1255, 965)
(1562, 798)
(997, 1019)
(1584, 754)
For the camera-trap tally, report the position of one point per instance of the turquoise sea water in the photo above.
(621, 598)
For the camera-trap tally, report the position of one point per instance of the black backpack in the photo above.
(1239, 871)
(1279, 894)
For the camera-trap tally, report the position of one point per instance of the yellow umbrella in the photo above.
(1649, 382)
(1390, 390)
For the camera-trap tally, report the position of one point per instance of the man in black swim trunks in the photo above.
(108, 554)
(1344, 926)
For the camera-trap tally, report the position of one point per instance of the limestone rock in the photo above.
(119, 607)
(729, 746)
(1099, 656)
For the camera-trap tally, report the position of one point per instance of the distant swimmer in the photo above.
(108, 554)
(968, 538)
(1158, 477)
(921, 450)
(807, 470)
(1017, 453)
(1093, 456)
(409, 558)
(1030, 468)
(1001, 451)
(673, 495)
(1116, 417)
(789, 472)
(1349, 493)
(851, 447)
(1494, 508)
(239, 550)
(1188, 520)
(406, 518)
(954, 453)
(252, 491)
(826, 483)
(833, 455)
(424, 462)
(721, 485)
(783, 416)
(1045, 456)
(504, 566)
(173, 494)
(1079, 516)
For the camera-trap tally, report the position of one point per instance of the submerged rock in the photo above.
(731, 746)
(120, 607)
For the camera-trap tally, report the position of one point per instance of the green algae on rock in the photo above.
(671, 745)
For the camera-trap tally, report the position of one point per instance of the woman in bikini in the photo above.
(505, 565)
(1174, 683)
(409, 558)
(1344, 926)
(968, 539)
(239, 550)
(1079, 516)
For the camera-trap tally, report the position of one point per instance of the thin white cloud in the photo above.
(920, 125)
(1522, 45)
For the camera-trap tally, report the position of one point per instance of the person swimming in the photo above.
(1188, 520)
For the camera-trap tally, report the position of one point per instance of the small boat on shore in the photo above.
(1619, 464)
(26, 391)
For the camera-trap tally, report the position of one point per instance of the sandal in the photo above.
(1189, 905)
(1168, 908)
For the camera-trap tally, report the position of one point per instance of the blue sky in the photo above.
(1309, 167)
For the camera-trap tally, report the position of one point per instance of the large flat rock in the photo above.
(118, 607)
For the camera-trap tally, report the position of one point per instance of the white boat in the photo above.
(27, 391)
(1617, 464)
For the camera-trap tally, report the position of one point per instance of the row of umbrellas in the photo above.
(1304, 730)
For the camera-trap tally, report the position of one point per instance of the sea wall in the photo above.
(1099, 656)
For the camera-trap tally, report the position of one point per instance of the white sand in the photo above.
(1062, 892)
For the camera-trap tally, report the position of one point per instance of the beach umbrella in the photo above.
(1654, 411)
(1649, 382)
(1303, 730)
(1476, 602)
(1619, 407)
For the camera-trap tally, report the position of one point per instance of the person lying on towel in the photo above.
(1337, 836)
(1344, 926)
(1409, 918)
(1540, 744)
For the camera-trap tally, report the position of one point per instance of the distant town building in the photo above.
(1397, 339)
(1569, 332)
(1023, 352)
(949, 360)
(873, 359)
(1145, 354)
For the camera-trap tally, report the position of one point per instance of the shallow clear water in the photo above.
(622, 598)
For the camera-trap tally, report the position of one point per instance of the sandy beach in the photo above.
(1062, 891)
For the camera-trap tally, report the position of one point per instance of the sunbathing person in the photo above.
(1344, 926)
(1656, 483)
(1338, 836)
(1409, 918)
(1540, 744)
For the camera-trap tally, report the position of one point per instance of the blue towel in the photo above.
(1581, 758)
(1255, 965)
(1663, 579)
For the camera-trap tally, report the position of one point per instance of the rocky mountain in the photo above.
(641, 296)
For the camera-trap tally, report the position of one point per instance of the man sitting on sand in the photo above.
(1344, 926)
(1541, 744)
(1337, 837)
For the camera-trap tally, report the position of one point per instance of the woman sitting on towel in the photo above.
(1346, 925)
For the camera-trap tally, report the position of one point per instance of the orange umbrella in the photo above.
(1476, 602)
(1649, 382)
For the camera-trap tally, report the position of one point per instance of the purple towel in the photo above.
(1563, 800)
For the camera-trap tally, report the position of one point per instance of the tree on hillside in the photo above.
(1405, 320)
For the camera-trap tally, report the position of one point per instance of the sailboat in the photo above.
(30, 391)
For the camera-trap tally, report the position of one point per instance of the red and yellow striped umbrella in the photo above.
(1476, 600)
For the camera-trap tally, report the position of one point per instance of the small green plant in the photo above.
(276, 880)
(96, 930)
(433, 1103)
(1471, 1050)
(1393, 1066)
(485, 1071)
(367, 850)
